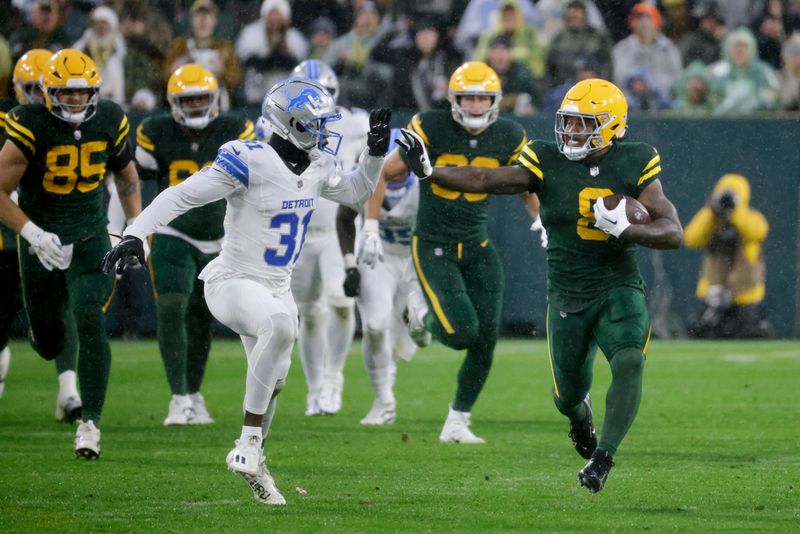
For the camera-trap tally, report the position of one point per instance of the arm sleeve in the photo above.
(353, 189)
(203, 187)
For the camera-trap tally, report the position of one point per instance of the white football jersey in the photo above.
(354, 126)
(398, 215)
(269, 207)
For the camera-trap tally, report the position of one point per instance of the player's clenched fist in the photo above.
(128, 253)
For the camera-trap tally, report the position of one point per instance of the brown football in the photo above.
(635, 210)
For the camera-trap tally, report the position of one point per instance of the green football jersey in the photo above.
(583, 261)
(8, 239)
(61, 189)
(449, 216)
(175, 153)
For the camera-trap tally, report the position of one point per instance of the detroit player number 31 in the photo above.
(271, 190)
(596, 294)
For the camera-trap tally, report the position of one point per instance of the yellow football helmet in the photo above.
(26, 75)
(67, 70)
(474, 78)
(603, 111)
(191, 81)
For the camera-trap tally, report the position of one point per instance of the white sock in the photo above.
(67, 384)
(340, 329)
(248, 431)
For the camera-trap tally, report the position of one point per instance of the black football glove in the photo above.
(413, 153)
(352, 282)
(128, 253)
(379, 132)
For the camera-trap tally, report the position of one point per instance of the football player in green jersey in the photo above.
(456, 263)
(27, 90)
(596, 294)
(170, 148)
(56, 157)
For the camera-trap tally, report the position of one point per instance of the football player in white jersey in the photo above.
(381, 283)
(271, 191)
(327, 316)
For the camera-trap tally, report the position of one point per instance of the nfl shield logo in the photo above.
(594, 171)
(299, 184)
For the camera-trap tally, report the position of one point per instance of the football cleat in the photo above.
(180, 411)
(246, 456)
(582, 433)
(456, 429)
(68, 409)
(330, 397)
(417, 307)
(262, 484)
(312, 403)
(5, 361)
(594, 474)
(87, 441)
(201, 415)
(381, 413)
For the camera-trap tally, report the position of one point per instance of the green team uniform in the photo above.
(595, 291)
(456, 264)
(10, 300)
(62, 192)
(170, 153)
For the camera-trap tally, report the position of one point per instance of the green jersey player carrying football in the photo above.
(596, 294)
(56, 157)
(456, 263)
(170, 148)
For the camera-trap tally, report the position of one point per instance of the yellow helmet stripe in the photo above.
(416, 126)
(123, 134)
(652, 162)
(142, 140)
(20, 128)
(249, 131)
(650, 174)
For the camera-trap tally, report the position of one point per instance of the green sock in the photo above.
(68, 357)
(94, 362)
(472, 375)
(172, 339)
(624, 396)
(198, 331)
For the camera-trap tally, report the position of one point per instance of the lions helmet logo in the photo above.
(307, 96)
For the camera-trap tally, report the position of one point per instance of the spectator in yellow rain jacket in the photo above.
(731, 284)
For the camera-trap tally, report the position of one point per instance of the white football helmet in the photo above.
(320, 72)
(299, 111)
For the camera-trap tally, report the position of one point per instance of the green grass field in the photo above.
(716, 447)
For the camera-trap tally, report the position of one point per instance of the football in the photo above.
(635, 210)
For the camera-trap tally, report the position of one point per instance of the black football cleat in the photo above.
(594, 474)
(582, 433)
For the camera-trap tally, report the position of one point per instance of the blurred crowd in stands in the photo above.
(695, 57)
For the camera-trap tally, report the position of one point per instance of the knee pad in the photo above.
(628, 362)
(343, 312)
(281, 328)
(375, 332)
(311, 313)
(463, 338)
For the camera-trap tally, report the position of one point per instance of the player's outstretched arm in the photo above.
(665, 230)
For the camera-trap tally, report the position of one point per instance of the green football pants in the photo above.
(463, 285)
(184, 321)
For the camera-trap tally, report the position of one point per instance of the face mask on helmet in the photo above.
(319, 72)
(300, 111)
(593, 113)
(71, 84)
(193, 96)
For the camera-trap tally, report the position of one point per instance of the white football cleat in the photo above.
(246, 456)
(87, 441)
(381, 413)
(416, 310)
(456, 429)
(262, 484)
(201, 415)
(180, 411)
(68, 409)
(312, 403)
(330, 397)
(5, 361)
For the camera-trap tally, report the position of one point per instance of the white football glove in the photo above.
(612, 222)
(414, 154)
(371, 248)
(538, 227)
(45, 245)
